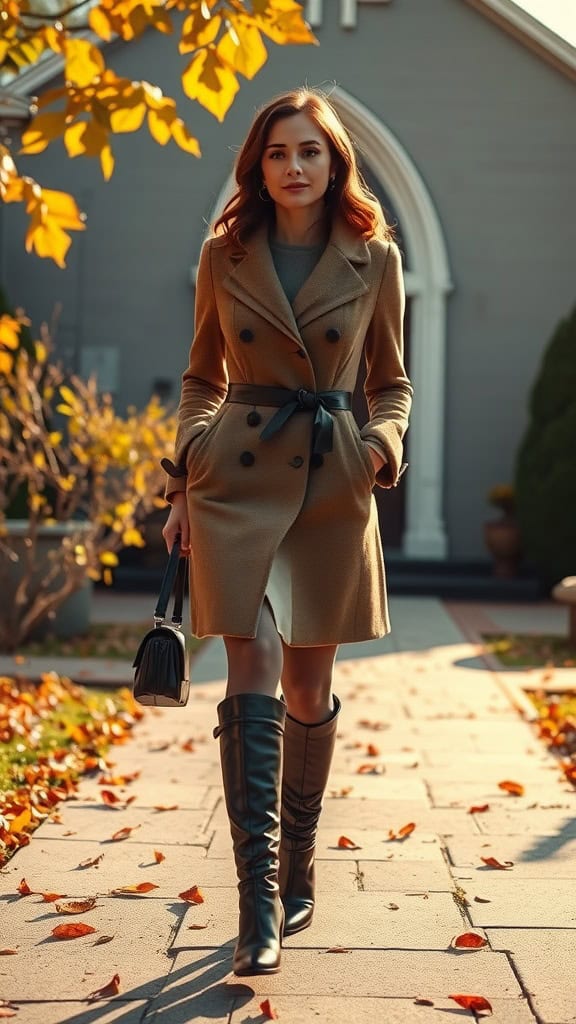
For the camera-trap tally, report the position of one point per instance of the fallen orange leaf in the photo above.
(192, 895)
(8, 952)
(402, 833)
(188, 746)
(51, 897)
(24, 889)
(108, 797)
(124, 833)
(7, 1009)
(478, 808)
(370, 769)
(268, 1010)
(72, 931)
(372, 750)
(76, 906)
(92, 862)
(159, 857)
(514, 788)
(142, 887)
(111, 989)
(164, 807)
(344, 843)
(475, 1003)
(469, 940)
(491, 862)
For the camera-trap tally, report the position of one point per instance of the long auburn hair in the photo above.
(350, 197)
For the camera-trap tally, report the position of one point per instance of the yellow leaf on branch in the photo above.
(84, 62)
(243, 48)
(42, 131)
(210, 81)
(197, 31)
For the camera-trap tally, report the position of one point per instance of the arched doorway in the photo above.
(427, 279)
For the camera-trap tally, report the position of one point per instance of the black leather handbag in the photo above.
(162, 674)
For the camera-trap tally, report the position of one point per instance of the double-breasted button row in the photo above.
(332, 334)
(253, 418)
(316, 460)
(246, 334)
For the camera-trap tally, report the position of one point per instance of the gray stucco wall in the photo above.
(491, 129)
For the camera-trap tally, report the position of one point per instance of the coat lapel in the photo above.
(255, 282)
(333, 281)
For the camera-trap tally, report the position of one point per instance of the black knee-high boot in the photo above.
(308, 751)
(251, 728)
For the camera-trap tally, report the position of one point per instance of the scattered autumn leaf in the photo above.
(196, 927)
(103, 939)
(24, 889)
(372, 750)
(111, 989)
(159, 857)
(370, 769)
(141, 887)
(76, 906)
(92, 862)
(337, 949)
(475, 1003)
(478, 808)
(192, 895)
(124, 833)
(423, 1002)
(7, 1009)
(479, 899)
(492, 862)
(8, 952)
(402, 833)
(188, 746)
(72, 931)
(344, 843)
(165, 807)
(268, 1010)
(514, 788)
(469, 940)
(110, 798)
(51, 897)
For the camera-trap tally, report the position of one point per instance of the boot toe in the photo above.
(257, 960)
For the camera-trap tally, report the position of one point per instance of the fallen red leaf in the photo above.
(475, 1003)
(469, 940)
(72, 931)
(188, 746)
(124, 833)
(141, 887)
(478, 808)
(192, 895)
(514, 788)
(159, 857)
(372, 750)
(344, 843)
(108, 797)
(24, 889)
(370, 769)
(268, 1010)
(8, 952)
(491, 862)
(51, 897)
(111, 989)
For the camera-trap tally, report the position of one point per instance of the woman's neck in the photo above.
(300, 227)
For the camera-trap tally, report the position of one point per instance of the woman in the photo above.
(271, 486)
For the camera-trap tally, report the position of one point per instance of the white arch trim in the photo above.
(427, 283)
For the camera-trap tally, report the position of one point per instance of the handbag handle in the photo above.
(174, 578)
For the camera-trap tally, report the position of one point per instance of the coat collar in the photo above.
(333, 281)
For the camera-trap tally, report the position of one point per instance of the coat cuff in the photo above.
(384, 438)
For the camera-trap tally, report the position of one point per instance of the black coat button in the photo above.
(246, 334)
(297, 461)
(247, 458)
(253, 418)
(316, 460)
(333, 334)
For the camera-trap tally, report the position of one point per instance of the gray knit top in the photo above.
(294, 264)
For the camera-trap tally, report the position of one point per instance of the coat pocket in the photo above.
(364, 455)
(199, 442)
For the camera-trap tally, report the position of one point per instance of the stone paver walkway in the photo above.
(433, 732)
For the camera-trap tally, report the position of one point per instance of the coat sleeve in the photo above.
(205, 381)
(387, 388)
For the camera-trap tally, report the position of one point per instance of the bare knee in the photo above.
(308, 700)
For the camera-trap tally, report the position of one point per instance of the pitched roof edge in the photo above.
(532, 33)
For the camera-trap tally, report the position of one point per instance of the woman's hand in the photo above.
(177, 522)
(377, 460)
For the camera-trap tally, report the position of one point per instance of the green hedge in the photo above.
(546, 464)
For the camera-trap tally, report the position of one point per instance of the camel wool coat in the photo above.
(267, 518)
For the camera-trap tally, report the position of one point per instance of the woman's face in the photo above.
(296, 162)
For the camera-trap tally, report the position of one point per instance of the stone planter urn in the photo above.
(502, 538)
(72, 617)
